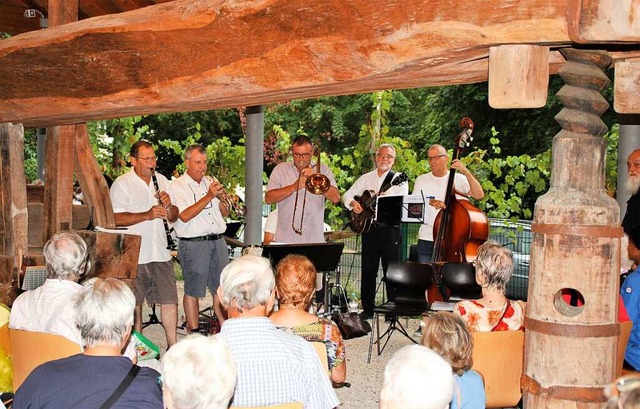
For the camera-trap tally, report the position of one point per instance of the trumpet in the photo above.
(227, 199)
(317, 184)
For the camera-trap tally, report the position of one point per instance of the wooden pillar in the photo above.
(570, 351)
(13, 205)
(58, 180)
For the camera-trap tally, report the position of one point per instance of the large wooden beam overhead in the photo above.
(202, 54)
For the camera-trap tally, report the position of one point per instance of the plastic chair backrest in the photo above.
(30, 349)
(410, 279)
(460, 279)
(321, 350)
(498, 357)
(625, 333)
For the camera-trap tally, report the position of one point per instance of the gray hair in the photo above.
(104, 311)
(439, 147)
(495, 263)
(247, 282)
(65, 255)
(199, 373)
(198, 148)
(386, 145)
(416, 378)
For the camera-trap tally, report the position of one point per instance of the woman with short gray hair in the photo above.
(492, 312)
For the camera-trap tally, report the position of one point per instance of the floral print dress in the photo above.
(480, 318)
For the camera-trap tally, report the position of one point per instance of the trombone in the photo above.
(316, 184)
(227, 199)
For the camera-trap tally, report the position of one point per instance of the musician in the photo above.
(434, 184)
(136, 206)
(285, 180)
(202, 250)
(381, 241)
(632, 216)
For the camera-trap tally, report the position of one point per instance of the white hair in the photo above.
(246, 282)
(65, 255)
(416, 378)
(632, 184)
(199, 373)
(104, 311)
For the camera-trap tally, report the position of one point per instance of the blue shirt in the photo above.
(630, 292)
(471, 391)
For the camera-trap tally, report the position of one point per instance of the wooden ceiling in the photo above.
(14, 21)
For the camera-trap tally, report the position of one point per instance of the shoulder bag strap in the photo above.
(387, 179)
(122, 387)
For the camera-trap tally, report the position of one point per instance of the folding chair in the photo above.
(411, 280)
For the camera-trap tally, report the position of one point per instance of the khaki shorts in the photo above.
(156, 282)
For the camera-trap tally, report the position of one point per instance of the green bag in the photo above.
(145, 349)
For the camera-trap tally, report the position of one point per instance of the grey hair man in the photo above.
(104, 317)
(198, 373)
(247, 291)
(632, 216)
(48, 308)
(416, 378)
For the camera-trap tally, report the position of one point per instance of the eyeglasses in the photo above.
(624, 384)
(385, 156)
(195, 199)
(430, 158)
(301, 155)
(147, 159)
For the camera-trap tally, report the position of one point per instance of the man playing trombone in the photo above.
(300, 215)
(144, 208)
(202, 250)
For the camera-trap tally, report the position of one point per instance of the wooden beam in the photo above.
(14, 21)
(201, 54)
(92, 182)
(626, 87)
(518, 76)
(604, 21)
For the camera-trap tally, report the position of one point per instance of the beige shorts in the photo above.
(156, 282)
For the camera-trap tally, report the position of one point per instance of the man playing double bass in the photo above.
(434, 184)
(381, 241)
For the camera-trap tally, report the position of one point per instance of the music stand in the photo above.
(325, 257)
(389, 210)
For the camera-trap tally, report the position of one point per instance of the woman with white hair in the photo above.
(492, 312)
(104, 315)
(198, 373)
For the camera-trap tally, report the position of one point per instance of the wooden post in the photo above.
(570, 351)
(58, 176)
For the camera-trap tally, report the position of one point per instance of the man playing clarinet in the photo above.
(144, 208)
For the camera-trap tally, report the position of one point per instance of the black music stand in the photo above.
(389, 210)
(325, 257)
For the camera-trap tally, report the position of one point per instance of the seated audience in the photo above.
(630, 292)
(624, 393)
(104, 315)
(446, 334)
(416, 378)
(492, 312)
(273, 367)
(198, 373)
(49, 308)
(295, 287)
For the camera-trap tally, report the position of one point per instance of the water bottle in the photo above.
(353, 304)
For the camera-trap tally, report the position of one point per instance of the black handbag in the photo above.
(351, 325)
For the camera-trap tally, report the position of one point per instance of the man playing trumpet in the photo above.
(286, 184)
(202, 250)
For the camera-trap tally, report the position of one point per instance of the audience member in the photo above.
(630, 292)
(273, 367)
(624, 393)
(49, 308)
(104, 316)
(295, 285)
(492, 312)
(446, 334)
(416, 378)
(198, 373)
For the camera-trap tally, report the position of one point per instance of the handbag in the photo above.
(351, 325)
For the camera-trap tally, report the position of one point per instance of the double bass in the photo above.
(460, 228)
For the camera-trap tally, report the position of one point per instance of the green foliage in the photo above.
(30, 155)
(611, 161)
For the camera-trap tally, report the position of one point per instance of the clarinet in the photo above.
(171, 245)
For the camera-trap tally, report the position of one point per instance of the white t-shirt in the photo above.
(130, 194)
(430, 185)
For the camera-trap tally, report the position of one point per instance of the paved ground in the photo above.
(365, 379)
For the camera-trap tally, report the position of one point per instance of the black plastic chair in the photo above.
(411, 280)
(460, 280)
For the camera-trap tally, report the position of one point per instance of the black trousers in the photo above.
(381, 242)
